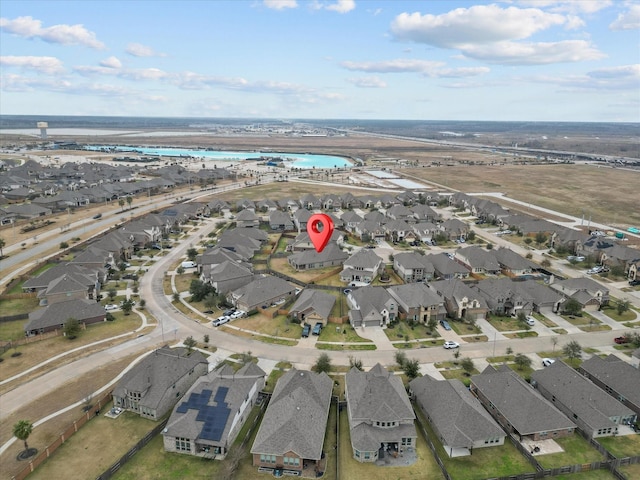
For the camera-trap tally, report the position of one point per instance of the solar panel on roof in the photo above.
(214, 417)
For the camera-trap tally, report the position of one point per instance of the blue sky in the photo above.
(538, 60)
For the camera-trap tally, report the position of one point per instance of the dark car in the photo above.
(445, 324)
(97, 216)
(317, 328)
(635, 282)
(621, 340)
(208, 312)
(306, 330)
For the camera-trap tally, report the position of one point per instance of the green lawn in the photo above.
(621, 446)
(340, 333)
(576, 451)
(13, 330)
(18, 305)
(497, 461)
(611, 312)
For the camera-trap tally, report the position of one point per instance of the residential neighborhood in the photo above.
(401, 273)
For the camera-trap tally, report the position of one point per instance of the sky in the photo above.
(507, 60)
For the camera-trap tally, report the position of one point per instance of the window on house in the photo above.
(267, 458)
(183, 444)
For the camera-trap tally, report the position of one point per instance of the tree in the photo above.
(540, 238)
(471, 236)
(323, 364)
(127, 306)
(142, 303)
(199, 290)
(355, 362)
(129, 201)
(176, 297)
(401, 358)
(467, 365)
(554, 342)
(111, 293)
(71, 328)
(190, 343)
(211, 300)
(63, 245)
(22, 430)
(622, 306)
(572, 307)
(522, 361)
(192, 253)
(180, 270)
(528, 240)
(572, 350)
(121, 203)
(411, 368)
(545, 263)
(2, 244)
(509, 351)
(489, 246)
(206, 339)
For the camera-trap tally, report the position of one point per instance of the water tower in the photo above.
(43, 129)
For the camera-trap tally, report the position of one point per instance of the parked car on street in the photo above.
(621, 340)
(450, 344)
(221, 321)
(635, 282)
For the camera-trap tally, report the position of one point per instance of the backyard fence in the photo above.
(64, 436)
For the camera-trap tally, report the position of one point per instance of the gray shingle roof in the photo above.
(618, 374)
(523, 407)
(59, 313)
(589, 402)
(316, 301)
(455, 413)
(296, 418)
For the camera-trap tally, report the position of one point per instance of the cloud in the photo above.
(139, 50)
(542, 53)
(393, 66)
(480, 24)
(629, 20)
(28, 27)
(425, 67)
(622, 77)
(16, 83)
(126, 73)
(47, 65)
(280, 4)
(367, 82)
(340, 6)
(572, 6)
(111, 62)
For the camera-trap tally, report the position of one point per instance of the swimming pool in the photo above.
(296, 160)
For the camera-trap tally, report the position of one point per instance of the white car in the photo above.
(238, 314)
(450, 344)
(221, 321)
(547, 361)
(110, 306)
(530, 321)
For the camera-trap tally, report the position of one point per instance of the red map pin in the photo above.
(320, 229)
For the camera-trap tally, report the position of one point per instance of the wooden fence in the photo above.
(64, 436)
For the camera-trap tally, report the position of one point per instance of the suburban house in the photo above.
(279, 220)
(291, 435)
(313, 306)
(370, 231)
(243, 241)
(371, 307)
(350, 220)
(363, 266)
(456, 416)
(413, 267)
(417, 302)
(460, 300)
(153, 386)
(300, 219)
(517, 407)
(261, 292)
(594, 412)
(228, 276)
(247, 219)
(454, 228)
(303, 242)
(57, 314)
(425, 231)
(479, 260)
(505, 297)
(513, 264)
(330, 256)
(616, 377)
(208, 419)
(590, 294)
(381, 418)
(446, 268)
(65, 288)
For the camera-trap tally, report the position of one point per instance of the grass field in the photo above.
(576, 450)
(604, 190)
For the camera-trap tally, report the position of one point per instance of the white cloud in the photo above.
(541, 53)
(47, 65)
(111, 62)
(367, 82)
(28, 27)
(629, 20)
(572, 6)
(462, 72)
(280, 4)
(480, 24)
(340, 6)
(139, 50)
(393, 66)
(16, 83)
(623, 77)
